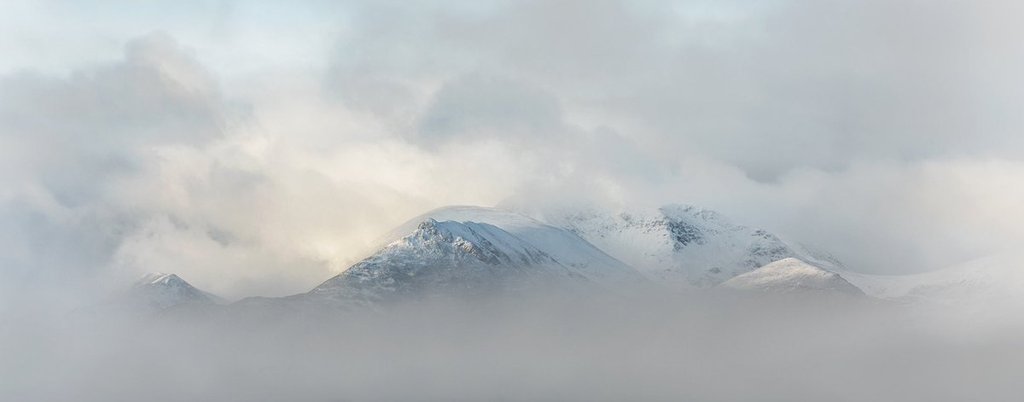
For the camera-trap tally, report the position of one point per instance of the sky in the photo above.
(258, 148)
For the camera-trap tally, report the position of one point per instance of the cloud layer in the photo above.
(258, 150)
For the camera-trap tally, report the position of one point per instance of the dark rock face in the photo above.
(684, 234)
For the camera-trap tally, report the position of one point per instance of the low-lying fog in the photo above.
(708, 346)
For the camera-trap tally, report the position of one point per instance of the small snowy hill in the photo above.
(159, 291)
(682, 245)
(790, 275)
(460, 251)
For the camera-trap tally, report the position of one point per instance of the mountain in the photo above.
(984, 280)
(791, 275)
(474, 251)
(159, 291)
(682, 245)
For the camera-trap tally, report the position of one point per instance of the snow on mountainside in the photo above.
(474, 251)
(159, 291)
(560, 244)
(791, 275)
(994, 277)
(682, 245)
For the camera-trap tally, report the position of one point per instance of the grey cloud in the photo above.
(792, 115)
(66, 142)
(767, 87)
(733, 105)
(157, 93)
(75, 132)
(475, 106)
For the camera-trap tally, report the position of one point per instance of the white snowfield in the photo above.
(682, 246)
(791, 275)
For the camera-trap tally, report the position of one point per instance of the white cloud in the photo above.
(885, 131)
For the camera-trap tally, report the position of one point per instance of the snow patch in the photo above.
(791, 275)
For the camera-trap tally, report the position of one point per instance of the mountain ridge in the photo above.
(474, 251)
(684, 246)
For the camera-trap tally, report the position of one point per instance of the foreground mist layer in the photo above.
(468, 303)
(715, 346)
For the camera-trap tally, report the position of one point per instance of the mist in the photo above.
(654, 347)
(258, 149)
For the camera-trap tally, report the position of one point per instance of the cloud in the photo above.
(734, 105)
(878, 129)
(473, 106)
(73, 133)
(768, 88)
(883, 216)
(65, 141)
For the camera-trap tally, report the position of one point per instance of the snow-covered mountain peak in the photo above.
(469, 249)
(506, 220)
(486, 242)
(681, 245)
(160, 291)
(791, 275)
(443, 258)
(559, 243)
(161, 279)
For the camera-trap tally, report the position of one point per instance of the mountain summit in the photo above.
(682, 245)
(473, 251)
(160, 291)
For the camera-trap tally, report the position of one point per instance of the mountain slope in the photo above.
(999, 276)
(160, 291)
(471, 251)
(564, 246)
(791, 275)
(681, 245)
